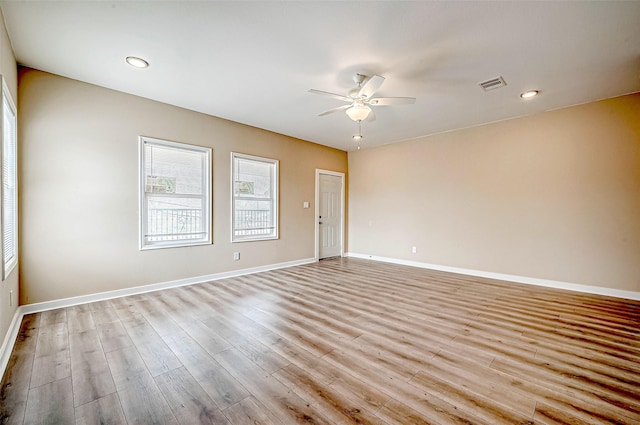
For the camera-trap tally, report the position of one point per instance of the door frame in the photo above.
(317, 211)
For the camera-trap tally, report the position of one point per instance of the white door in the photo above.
(330, 215)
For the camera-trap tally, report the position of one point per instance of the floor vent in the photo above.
(493, 83)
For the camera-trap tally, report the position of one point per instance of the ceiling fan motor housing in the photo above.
(359, 78)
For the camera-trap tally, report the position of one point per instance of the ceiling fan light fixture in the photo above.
(358, 112)
(137, 62)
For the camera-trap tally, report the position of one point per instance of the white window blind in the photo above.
(9, 183)
(255, 198)
(175, 187)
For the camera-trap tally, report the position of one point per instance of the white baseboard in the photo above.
(14, 327)
(618, 293)
(10, 340)
(101, 296)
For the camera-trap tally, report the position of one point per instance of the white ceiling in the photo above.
(253, 62)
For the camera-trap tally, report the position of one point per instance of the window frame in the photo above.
(275, 189)
(206, 194)
(9, 266)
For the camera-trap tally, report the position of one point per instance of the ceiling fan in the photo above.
(360, 98)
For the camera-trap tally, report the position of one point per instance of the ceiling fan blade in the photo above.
(331, 111)
(335, 96)
(385, 101)
(371, 86)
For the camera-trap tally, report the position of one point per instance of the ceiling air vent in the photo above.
(493, 83)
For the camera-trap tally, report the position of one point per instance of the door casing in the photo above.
(317, 210)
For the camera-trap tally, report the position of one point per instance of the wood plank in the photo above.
(127, 367)
(52, 360)
(126, 310)
(50, 403)
(163, 323)
(99, 305)
(395, 412)
(233, 328)
(104, 411)
(550, 415)
(206, 337)
(189, 403)
(79, 320)
(27, 334)
(14, 388)
(604, 369)
(473, 402)
(52, 317)
(301, 357)
(305, 310)
(310, 340)
(141, 400)
(221, 386)
(153, 350)
(113, 336)
(429, 405)
(52, 339)
(355, 389)
(143, 403)
(91, 377)
(592, 406)
(334, 406)
(288, 407)
(478, 380)
(84, 308)
(250, 412)
(105, 315)
(263, 356)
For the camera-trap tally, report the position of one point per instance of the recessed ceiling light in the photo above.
(137, 62)
(529, 94)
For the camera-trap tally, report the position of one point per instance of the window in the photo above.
(9, 183)
(254, 201)
(175, 200)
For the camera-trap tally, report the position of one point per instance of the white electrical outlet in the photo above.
(414, 249)
(236, 256)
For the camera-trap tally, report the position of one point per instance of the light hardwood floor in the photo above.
(343, 341)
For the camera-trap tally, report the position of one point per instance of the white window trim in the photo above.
(206, 187)
(276, 191)
(12, 263)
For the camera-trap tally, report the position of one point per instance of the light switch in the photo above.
(305, 204)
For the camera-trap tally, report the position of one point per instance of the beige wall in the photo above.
(79, 189)
(553, 196)
(9, 72)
